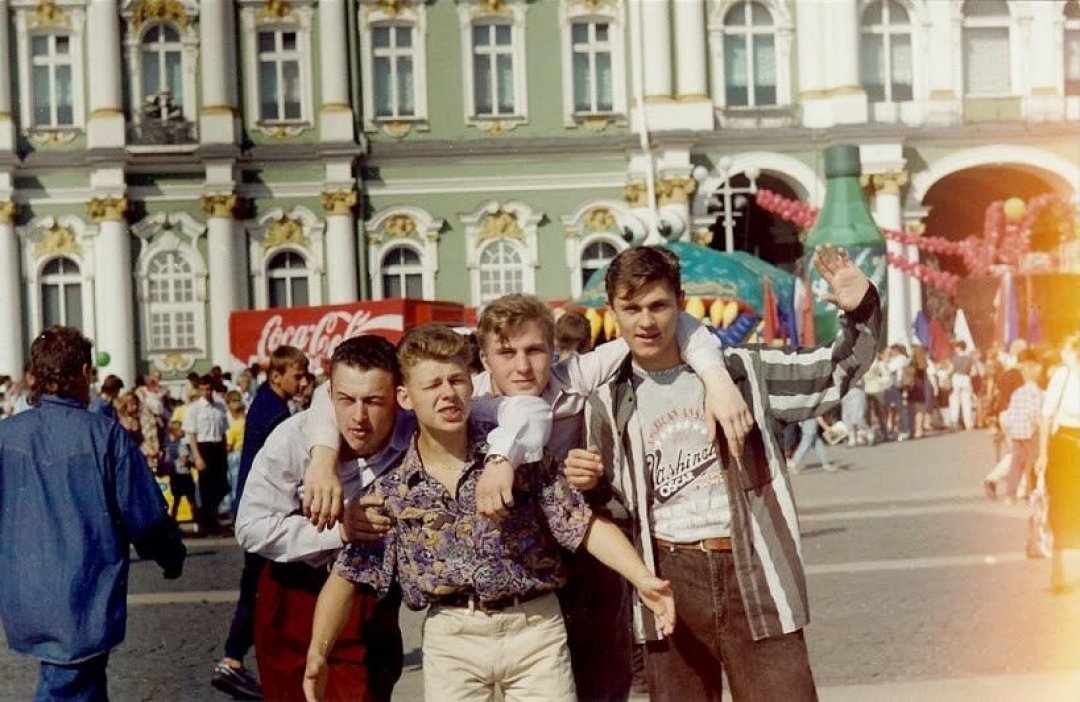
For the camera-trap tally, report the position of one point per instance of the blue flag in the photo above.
(921, 328)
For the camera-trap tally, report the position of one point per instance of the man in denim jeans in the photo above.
(75, 495)
(722, 528)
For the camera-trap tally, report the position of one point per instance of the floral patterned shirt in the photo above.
(438, 545)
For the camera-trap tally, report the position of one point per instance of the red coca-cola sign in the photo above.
(254, 334)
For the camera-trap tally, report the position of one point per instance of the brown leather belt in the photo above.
(719, 543)
(464, 599)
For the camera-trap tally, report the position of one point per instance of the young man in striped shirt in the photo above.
(722, 529)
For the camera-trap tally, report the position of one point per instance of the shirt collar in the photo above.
(412, 466)
(61, 400)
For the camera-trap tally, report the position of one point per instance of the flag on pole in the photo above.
(1009, 311)
(920, 329)
(961, 331)
(804, 312)
(941, 342)
(769, 320)
(1034, 330)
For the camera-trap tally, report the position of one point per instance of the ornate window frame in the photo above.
(181, 15)
(49, 17)
(177, 233)
(511, 13)
(297, 230)
(45, 239)
(514, 221)
(612, 12)
(402, 13)
(272, 16)
(784, 40)
(596, 220)
(403, 226)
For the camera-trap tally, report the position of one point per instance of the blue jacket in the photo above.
(75, 494)
(267, 411)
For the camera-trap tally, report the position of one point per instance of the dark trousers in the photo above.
(364, 664)
(242, 629)
(876, 411)
(213, 484)
(596, 608)
(713, 634)
(76, 682)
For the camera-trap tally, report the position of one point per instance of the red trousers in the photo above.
(364, 663)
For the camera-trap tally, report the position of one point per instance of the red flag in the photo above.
(941, 342)
(804, 311)
(770, 319)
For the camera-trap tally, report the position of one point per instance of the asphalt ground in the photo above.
(919, 587)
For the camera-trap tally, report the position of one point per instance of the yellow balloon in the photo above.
(695, 307)
(611, 327)
(1014, 208)
(716, 312)
(731, 312)
(596, 322)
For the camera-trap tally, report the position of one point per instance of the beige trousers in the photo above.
(521, 651)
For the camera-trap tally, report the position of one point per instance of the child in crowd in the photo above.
(176, 463)
(234, 442)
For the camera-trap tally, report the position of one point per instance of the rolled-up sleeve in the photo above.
(369, 565)
(523, 430)
(564, 508)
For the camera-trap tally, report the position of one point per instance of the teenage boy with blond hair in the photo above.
(493, 621)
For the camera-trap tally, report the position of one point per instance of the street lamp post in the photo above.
(729, 197)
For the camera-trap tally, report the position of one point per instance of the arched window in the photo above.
(162, 63)
(288, 280)
(885, 52)
(987, 59)
(402, 273)
(1072, 48)
(170, 303)
(500, 262)
(61, 293)
(749, 56)
(594, 257)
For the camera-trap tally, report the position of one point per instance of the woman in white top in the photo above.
(1059, 457)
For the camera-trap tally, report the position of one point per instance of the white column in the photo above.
(690, 47)
(849, 105)
(114, 298)
(809, 22)
(656, 24)
(341, 275)
(7, 123)
(105, 127)
(225, 251)
(11, 331)
(336, 116)
(217, 52)
(888, 214)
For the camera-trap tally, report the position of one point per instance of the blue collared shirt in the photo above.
(75, 493)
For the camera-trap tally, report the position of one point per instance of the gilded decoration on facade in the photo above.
(500, 225)
(889, 182)
(283, 131)
(218, 205)
(275, 11)
(45, 137)
(56, 239)
(107, 209)
(400, 226)
(396, 128)
(7, 212)
(48, 14)
(596, 123)
(174, 362)
(599, 219)
(915, 226)
(339, 202)
(677, 189)
(491, 7)
(285, 231)
(170, 11)
(702, 236)
(636, 195)
(595, 6)
(392, 7)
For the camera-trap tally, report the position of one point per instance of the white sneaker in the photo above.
(829, 467)
(792, 468)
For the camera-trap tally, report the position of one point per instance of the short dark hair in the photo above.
(639, 266)
(57, 358)
(112, 385)
(367, 352)
(206, 379)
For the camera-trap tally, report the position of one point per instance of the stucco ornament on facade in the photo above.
(500, 224)
(7, 212)
(54, 240)
(219, 205)
(400, 226)
(276, 11)
(339, 202)
(285, 231)
(148, 11)
(595, 5)
(108, 209)
(889, 182)
(636, 194)
(599, 219)
(676, 189)
(48, 14)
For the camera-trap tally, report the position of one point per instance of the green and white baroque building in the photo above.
(166, 162)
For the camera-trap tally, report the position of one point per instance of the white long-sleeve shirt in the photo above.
(270, 522)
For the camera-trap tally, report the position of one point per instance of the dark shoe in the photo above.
(990, 488)
(237, 682)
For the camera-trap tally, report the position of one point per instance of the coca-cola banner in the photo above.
(254, 334)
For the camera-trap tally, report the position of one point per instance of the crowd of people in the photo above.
(575, 523)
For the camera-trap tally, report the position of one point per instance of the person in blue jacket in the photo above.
(75, 494)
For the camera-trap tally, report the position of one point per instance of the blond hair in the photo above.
(432, 342)
(503, 316)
